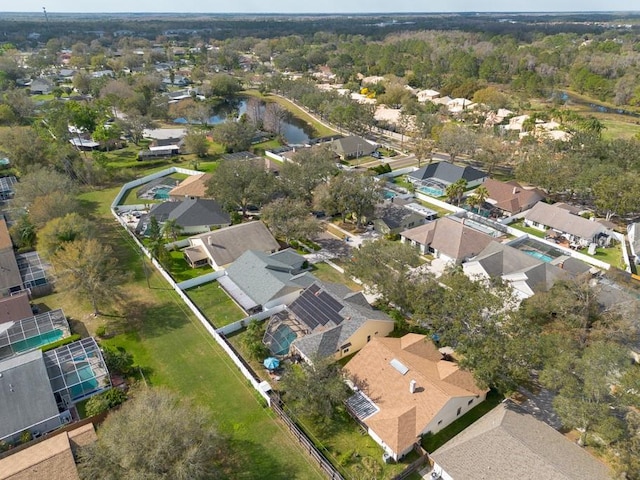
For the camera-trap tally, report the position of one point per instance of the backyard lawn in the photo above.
(180, 270)
(174, 350)
(215, 304)
(530, 230)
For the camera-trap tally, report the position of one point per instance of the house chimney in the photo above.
(412, 386)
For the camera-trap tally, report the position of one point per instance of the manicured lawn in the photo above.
(180, 270)
(327, 273)
(215, 304)
(530, 230)
(442, 212)
(612, 255)
(174, 350)
(432, 442)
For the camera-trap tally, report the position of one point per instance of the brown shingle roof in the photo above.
(450, 237)
(50, 459)
(403, 415)
(511, 196)
(15, 307)
(5, 238)
(193, 186)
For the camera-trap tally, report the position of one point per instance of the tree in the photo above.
(235, 136)
(310, 168)
(197, 144)
(88, 270)
(274, 118)
(455, 191)
(252, 340)
(480, 195)
(61, 230)
(118, 360)
(104, 401)
(290, 219)
(171, 230)
(315, 391)
(615, 195)
(583, 381)
(383, 266)
(155, 435)
(224, 86)
(349, 194)
(23, 233)
(455, 140)
(133, 126)
(157, 241)
(52, 205)
(239, 184)
(424, 150)
(25, 148)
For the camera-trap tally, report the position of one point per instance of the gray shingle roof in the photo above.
(227, 244)
(264, 278)
(26, 397)
(355, 311)
(562, 220)
(508, 443)
(447, 173)
(191, 212)
(352, 145)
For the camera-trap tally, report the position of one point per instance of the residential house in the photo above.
(352, 147)
(53, 458)
(439, 175)
(406, 388)
(259, 281)
(509, 443)
(527, 274)
(221, 247)
(327, 320)
(194, 186)
(192, 215)
(41, 86)
(391, 219)
(447, 238)
(427, 95)
(14, 308)
(510, 197)
(559, 221)
(163, 144)
(27, 397)
(10, 278)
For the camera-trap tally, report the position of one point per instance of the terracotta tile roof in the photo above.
(403, 415)
(193, 186)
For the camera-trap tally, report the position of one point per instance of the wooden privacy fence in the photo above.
(308, 445)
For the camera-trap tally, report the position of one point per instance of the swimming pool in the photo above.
(281, 339)
(37, 341)
(162, 193)
(388, 194)
(88, 382)
(434, 192)
(538, 255)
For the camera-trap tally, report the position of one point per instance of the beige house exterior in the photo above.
(410, 389)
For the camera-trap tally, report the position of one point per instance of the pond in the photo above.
(567, 97)
(294, 130)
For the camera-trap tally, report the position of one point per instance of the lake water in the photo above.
(594, 107)
(294, 130)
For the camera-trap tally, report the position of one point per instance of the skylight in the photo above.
(399, 366)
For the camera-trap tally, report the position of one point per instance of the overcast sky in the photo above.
(322, 6)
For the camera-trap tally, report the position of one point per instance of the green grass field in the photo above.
(215, 304)
(174, 350)
(519, 225)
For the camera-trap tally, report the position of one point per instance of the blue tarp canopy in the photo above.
(271, 363)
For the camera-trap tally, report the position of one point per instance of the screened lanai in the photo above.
(76, 371)
(33, 332)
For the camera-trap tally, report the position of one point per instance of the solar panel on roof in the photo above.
(316, 307)
(362, 406)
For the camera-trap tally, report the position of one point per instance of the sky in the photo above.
(322, 6)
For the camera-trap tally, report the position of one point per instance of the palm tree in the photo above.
(171, 230)
(455, 191)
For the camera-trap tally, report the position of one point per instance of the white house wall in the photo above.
(448, 413)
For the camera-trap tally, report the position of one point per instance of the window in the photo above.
(470, 402)
(459, 410)
(345, 350)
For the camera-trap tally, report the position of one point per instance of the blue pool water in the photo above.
(162, 193)
(89, 383)
(388, 194)
(282, 339)
(38, 341)
(434, 192)
(538, 255)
